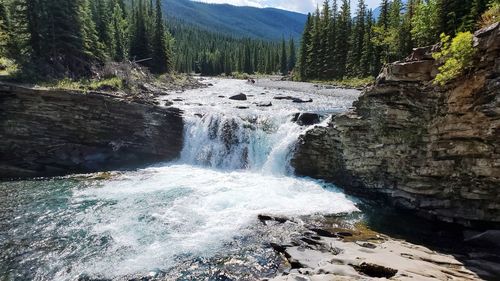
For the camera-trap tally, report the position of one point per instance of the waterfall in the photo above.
(259, 143)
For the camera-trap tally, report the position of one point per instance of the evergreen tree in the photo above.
(367, 63)
(283, 59)
(451, 13)
(383, 19)
(477, 9)
(330, 60)
(406, 39)
(313, 59)
(247, 60)
(343, 46)
(73, 44)
(139, 42)
(292, 58)
(323, 53)
(358, 37)
(102, 15)
(161, 61)
(34, 11)
(393, 38)
(119, 33)
(304, 48)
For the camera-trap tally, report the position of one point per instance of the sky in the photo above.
(301, 6)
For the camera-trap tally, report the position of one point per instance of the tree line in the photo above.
(336, 45)
(69, 38)
(208, 53)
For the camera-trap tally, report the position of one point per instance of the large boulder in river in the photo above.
(306, 119)
(239, 97)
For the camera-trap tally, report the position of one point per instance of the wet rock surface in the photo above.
(240, 97)
(57, 132)
(306, 119)
(366, 254)
(420, 147)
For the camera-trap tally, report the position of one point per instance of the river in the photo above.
(190, 219)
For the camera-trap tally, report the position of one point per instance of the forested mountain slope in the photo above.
(270, 24)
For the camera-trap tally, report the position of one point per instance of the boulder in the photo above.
(422, 53)
(412, 71)
(297, 100)
(264, 104)
(306, 119)
(293, 99)
(284, 98)
(239, 97)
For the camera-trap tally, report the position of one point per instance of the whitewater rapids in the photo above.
(233, 167)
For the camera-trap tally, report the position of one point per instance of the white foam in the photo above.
(157, 214)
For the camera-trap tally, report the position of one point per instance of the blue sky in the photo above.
(302, 6)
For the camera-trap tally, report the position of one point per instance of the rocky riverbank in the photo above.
(337, 249)
(56, 132)
(425, 148)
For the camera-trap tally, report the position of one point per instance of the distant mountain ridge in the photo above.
(266, 23)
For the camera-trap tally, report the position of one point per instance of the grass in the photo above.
(348, 82)
(113, 83)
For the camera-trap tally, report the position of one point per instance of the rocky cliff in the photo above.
(55, 132)
(432, 149)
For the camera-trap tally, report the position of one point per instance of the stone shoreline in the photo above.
(329, 252)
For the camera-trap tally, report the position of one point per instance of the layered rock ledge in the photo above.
(432, 149)
(57, 132)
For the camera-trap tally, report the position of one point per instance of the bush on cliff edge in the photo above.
(456, 55)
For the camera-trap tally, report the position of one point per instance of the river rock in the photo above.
(239, 97)
(57, 132)
(284, 98)
(264, 104)
(297, 100)
(434, 150)
(306, 119)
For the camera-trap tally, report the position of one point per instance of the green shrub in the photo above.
(347, 82)
(111, 84)
(456, 55)
(491, 16)
(8, 67)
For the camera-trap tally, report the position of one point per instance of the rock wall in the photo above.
(53, 132)
(430, 149)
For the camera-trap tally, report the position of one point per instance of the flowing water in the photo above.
(187, 220)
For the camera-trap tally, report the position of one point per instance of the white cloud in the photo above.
(302, 6)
